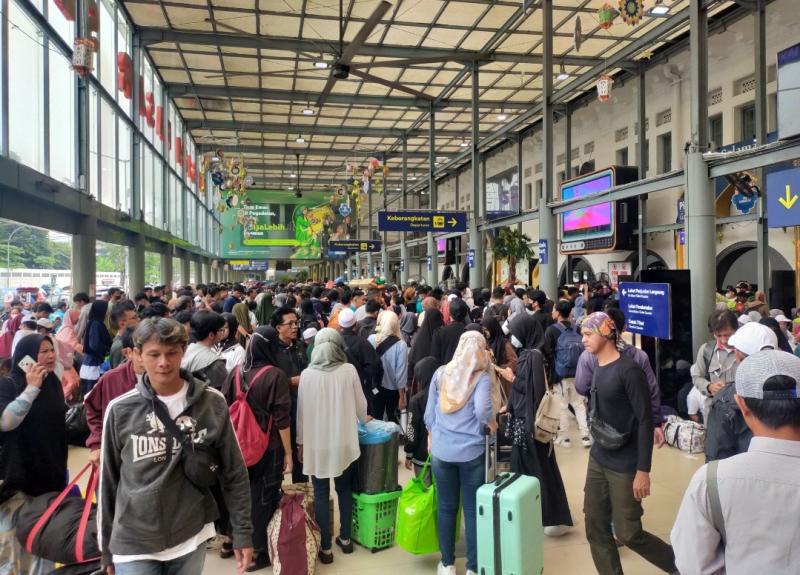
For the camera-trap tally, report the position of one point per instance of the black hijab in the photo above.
(423, 374)
(527, 330)
(264, 349)
(42, 431)
(97, 316)
(423, 340)
(528, 387)
(496, 337)
(233, 325)
(772, 323)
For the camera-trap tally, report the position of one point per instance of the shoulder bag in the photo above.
(603, 433)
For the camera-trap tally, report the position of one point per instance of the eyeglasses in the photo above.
(294, 323)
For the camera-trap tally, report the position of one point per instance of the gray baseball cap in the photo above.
(757, 369)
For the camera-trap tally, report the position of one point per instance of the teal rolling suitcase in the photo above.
(510, 532)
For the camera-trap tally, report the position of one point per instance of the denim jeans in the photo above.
(452, 480)
(344, 492)
(191, 564)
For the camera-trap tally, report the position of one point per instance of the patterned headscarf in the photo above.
(604, 326)
(459, 377)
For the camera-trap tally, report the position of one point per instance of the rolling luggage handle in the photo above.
(490, 450)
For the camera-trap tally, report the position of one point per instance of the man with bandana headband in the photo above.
(618, 477)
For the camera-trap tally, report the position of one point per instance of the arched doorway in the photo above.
(581, 267)
(739, 262)
(652, 262)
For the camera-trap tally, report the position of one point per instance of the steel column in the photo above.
(432, 275)
(548, 272)
(185, 272)
(403, 248)
(370, 269)
(641, 114)
(476, 273)
(700, 212)
(136, 263)
(84, 257)
(568, 153)
(760, 55)
(167, 274)
(384, 253)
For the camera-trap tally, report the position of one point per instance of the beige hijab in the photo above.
(388, 324)
(460, 376)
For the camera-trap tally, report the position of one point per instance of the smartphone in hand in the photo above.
(26, 363)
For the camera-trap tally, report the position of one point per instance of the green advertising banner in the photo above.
(275, 224)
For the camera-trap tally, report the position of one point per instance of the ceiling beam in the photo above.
(303, 151)
(302, 97)
(150, 35)
(309, 129)
(291, 167)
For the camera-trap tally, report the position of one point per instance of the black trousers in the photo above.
(386, 401)
(265, 493)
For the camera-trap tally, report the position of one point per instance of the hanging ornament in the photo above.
(632, 11)
(83, 56)
(606, 15)
(577, 34)
(604, 83)
(249, 181)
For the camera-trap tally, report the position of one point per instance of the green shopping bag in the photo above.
(416, 516)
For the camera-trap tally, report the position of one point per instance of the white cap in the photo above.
(752, 338)
(310, 333)
(45, 323)
(743, 319)
(782, 318)
(347, 318)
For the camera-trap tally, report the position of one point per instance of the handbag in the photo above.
(200, 462)
(416, 515)
(293, 538)
(548, 416)
(603, 433)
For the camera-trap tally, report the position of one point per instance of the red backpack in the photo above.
(253, 441)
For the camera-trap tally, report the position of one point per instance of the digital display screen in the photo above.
(441, 246)
(593, 221)
(502, 194)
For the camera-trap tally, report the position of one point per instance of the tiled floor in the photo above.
(568, 555)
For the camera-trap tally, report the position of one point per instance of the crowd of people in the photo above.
(157, 373)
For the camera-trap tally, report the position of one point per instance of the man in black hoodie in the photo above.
(445, 341)
(360, 353)
(149, 511)
(538, 300)
(366, 327)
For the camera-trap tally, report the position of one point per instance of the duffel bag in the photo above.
(293, 538)
(77, 426)
(688, 436)
(61, 528)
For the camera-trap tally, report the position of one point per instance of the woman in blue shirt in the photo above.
(393, 351)
(458, 411)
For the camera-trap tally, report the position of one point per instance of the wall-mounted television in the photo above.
(605, 226)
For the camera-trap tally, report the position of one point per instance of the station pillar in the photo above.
(167, 277)
(136, 264)
(84, 258)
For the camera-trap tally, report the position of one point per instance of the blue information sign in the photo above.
(647, 308)
(402, 265)
(543, 255)
(355, 245)
(430, 263)
(471, 258)
(422, 221)
(783, 190)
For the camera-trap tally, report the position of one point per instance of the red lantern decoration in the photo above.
(67, 8)
(159, 121)
(604, 84)
(150, 106)
(93, 17)
(125, 74)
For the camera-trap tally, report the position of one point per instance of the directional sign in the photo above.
(402, 265)
(430, 263)
(543, 255)
(783, 190)
(355, 245)
(647, 308)
(422, 221)
(471, 258)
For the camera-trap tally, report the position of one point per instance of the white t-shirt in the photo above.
(696, 403)
(175, 405)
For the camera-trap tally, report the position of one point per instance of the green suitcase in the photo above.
(510, 532)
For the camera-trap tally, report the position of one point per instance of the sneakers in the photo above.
(586, 441)
(442, 570)
(347, 547)
(556, 530)
(563, 441)
(326, 557)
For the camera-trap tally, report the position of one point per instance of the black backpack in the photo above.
(499, 310)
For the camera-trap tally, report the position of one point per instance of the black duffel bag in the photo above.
(77, 426)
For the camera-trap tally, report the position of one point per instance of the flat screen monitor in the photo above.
(593, 221)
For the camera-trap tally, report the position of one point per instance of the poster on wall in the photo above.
(502, 194)
(275, 224)
(616, 269)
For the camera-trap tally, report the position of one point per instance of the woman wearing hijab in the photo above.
(393, 351)
(96, 345)
(231, 348)
(783, 342)
(68, 343)
(264, 308)
(446, 341)
(33, 460)
(271, 403)
(245, 329)
(329, 402)
(417, 434)
(502, 350)
(459, 409)
(10, 329)
(529, 456)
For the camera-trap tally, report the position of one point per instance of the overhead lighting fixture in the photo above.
(562, 73)
(441, 159)
(291, 188)
(412, 178)
(659, 9)
(321, 64)
(464, 144)
(307, 111)
(300, 140)
(502, 116)
(292, 175)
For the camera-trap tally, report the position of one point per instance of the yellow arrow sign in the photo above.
(789, 200)
(453, 221)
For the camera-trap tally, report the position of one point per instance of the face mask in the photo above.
(515, 342)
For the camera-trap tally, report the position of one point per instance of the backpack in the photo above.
(253, 441)
(499, 310)
(382, 349)
(293, 537)
(569, 348)
(548, 416)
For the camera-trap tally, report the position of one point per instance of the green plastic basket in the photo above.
(374, 518)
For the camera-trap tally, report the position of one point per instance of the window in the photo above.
(646, 160)
(539, 186)
(665, 153)
(26, 90)
(715, 131)
(157, 99)
(622, 157)
(123, 46)
(124, 165)
(108, 154)
(64, 27)
(528, 196)
(158, 192)
(62, 119)
(147, 73)
(747, 122)
(107, 59)
(147, 187)
(94, 145)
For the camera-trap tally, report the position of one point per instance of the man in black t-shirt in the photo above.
(618, 477)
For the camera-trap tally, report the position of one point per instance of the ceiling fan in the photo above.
(343, 66)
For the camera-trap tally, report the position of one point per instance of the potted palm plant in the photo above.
(511, 244)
